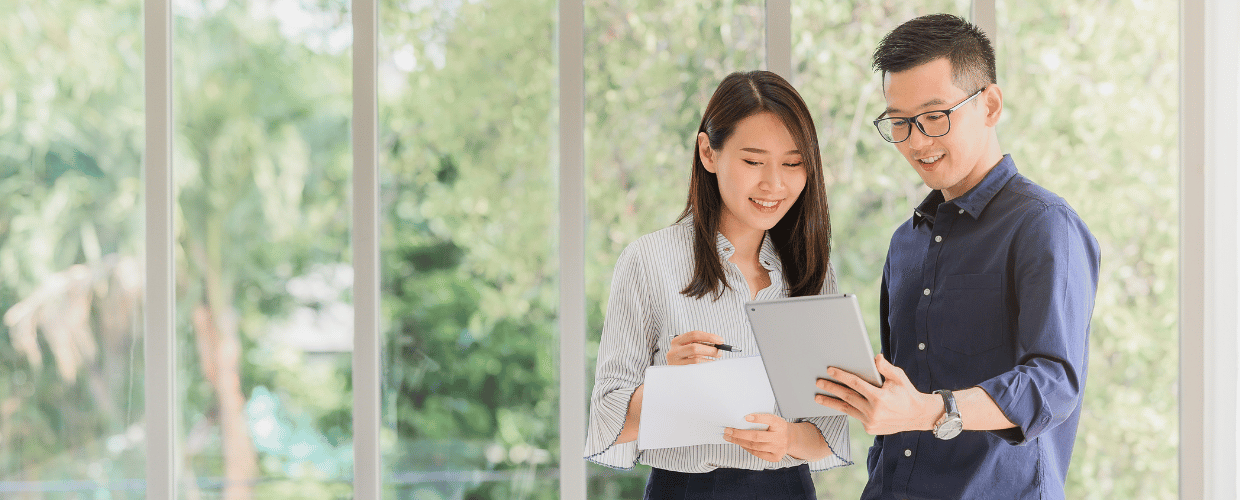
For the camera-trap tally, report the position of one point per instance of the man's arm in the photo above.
(1058, 263)
(1056, 280)
(898, 406)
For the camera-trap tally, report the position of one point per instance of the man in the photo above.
(986, 297)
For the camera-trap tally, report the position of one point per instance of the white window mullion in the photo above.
(367, 367)
(982, 15)
(1192, 249)
(779, 37)
(572, 204)
(1209, 291)
(159, 340)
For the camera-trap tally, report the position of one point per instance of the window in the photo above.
(71, 369)
(264, 315)
(467, 120)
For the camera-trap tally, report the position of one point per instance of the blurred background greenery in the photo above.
(469, 132)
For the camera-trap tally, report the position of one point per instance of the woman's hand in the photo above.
(770, 445)
(688, 348)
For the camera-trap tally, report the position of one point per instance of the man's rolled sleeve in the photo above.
(1056, 263)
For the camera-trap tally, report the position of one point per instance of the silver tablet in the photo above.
(800, 337)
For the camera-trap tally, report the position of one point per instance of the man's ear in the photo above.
(993, 97)
(705, 153)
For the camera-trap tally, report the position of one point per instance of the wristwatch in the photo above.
(949, 425)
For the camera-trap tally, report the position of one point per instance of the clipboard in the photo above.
(800, 337)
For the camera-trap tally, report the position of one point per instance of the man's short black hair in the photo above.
(930, 37)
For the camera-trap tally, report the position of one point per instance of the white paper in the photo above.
(692, 404)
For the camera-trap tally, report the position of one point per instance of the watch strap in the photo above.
(949, 402)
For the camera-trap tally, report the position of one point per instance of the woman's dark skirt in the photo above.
(720, 484)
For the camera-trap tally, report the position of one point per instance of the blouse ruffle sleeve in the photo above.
(626, 349)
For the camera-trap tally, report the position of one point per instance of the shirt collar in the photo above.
(768, 257)
(975, 200)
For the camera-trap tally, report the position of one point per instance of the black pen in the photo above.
(721, 347)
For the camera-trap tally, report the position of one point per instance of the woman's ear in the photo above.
(705, 153)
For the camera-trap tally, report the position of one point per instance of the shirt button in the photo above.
(921, 346)
(961, 211)
(938, 239)
(925, 292)
(908, 453)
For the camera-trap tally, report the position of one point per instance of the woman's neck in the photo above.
(745, 240)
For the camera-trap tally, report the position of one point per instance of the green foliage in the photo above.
(262, 161)
(469, 259)
(70, 149)
(262, 164)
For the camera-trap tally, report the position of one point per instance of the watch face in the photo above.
(948, 429)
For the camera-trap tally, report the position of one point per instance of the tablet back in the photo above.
(800, 337)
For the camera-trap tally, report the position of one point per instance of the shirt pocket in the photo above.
(972, 315)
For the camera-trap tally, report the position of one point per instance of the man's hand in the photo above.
(770, 445)
(897, 406)
(690, 348)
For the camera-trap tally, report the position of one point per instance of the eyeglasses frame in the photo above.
(915, 119)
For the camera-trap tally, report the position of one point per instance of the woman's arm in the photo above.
(633, 420)
(807, 443)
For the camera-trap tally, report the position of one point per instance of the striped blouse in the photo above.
(645, 311)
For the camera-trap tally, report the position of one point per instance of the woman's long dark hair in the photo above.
(803, 235)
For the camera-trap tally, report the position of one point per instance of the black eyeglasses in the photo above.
(931, 123)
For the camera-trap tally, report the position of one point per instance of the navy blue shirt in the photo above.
(995, 290)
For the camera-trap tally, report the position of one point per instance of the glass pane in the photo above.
(870, 187)
(650, 69)
(1091, 112)
(71, 242)
(264, 311)
(468, 122)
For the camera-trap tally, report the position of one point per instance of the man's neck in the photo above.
(991, 158)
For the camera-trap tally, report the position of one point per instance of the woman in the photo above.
(755, 227)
